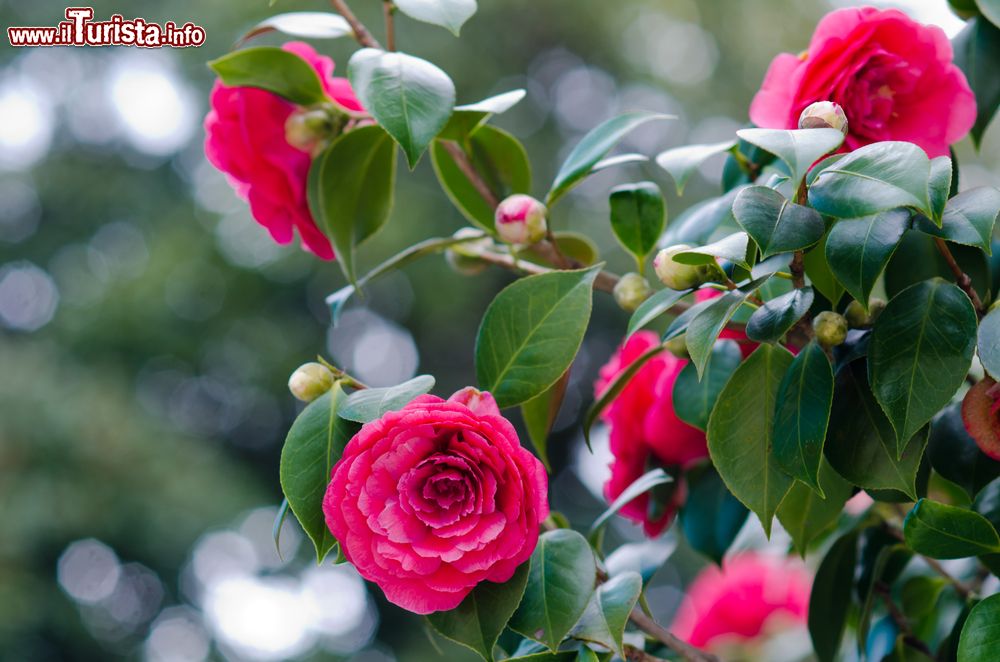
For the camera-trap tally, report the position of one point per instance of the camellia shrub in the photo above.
(777, 384)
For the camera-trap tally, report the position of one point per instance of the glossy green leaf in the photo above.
(956, 456)
(798, 148)
(314, 443)
(989, 342)
(705, 327)
(653, 307)
(350, 190)
(740, 429)
(593, 147)
(449, 14)
(531, 332)
(370, 404)
(604, 620)
(500, 160)
(776, 317)
(272, 69)
(302, 24)
(802, 414)
(410, 98)
(806, 515)
(939, 186)
(941, 531)
(478, 620)
(874, 178)
(861, 444)
(540, 413)
(858, 249)
(732, 248)
(830, 600)
(693, 398)
(819, 273)
(615, 387)
(681, 162)
(977, 50)
(917, 259)
(711, 517)
(968, 219)
(637, 216)
(980, 638)
(696, 224)
(560, 582)
(776, 224)
(920, 352)
(639, 486)
(468, 118)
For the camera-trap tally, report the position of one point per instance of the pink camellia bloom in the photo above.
(245, 138)
(432, 499)
(751, 596)
(520, 219)
(893, 77)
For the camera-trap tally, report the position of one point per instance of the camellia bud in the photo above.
(631, 290)
(678, 347)
(857, 316)
(823, 115)
(830, 328)
(464, 257)
(309, 381)
(520, 219)
(679, 276)
(307, 128)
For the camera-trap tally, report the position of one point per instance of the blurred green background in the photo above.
(148, 325)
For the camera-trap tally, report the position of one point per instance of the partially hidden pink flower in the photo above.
(245, 138)
(431, 500)
(751, 596)
(893, 77)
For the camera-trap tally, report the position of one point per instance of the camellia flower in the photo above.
(980, 409)
(432, 499)
(893, 77)
(751, 596)
(245, 137)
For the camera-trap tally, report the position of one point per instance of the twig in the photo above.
(900, 620)
(633, 654)
(668, 639)
(961, 278)
(361, 33)
(388, 10)
(959, 585)
(604, 282)
(798, 270)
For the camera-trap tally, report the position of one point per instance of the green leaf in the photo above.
(302, 24)
(920, 594)
(776, 317)
(696, 224)
(606, 615)
(314, 443)
(917, 259)
(955, 455)
(806, 515)
(802, 414)
(874, 178)
(977, 50)
(615, 388)
(775, 223)
(644, 557)
(705, 328)
(888, 561)
(637, 216)
(732, 248)
(830, 600)
(680, 162)
(477, 622)
(501, 161)
(370, 404)
(740, 429)
(989, 342)
(711, 517)
(653, 307)
(858, 249)
(593, 147)
(531, 332)
(468, 118)
(939, 186)
(693, 398)
(540, 413)
(968, 219)
(410, 98)
(272, 69)
(920, 352)
(449, 14)
(981, 632)
(819, 273)
(798, 148)
(560, 582)
(350, 190)
(861, 444)
(639, 486)
(941, 531)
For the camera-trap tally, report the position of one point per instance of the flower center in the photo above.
(869, 97)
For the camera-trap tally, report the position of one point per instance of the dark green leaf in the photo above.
(981, 632)
(593, 147)
(920, 594)
(468, 118)
(272, 69)
(370, 404)
(939, 186)
(711, 517)
(858, 249)
(679, 325)
(830, 600)
(969, 218)
(987, 503)
(889, 559)
(560, 582)
(539, 414)
(956, 456)
(639, 486)
(705, 328)
(775, 223)
(653, 307)
(680, 162)
(739, 433)
(410, 98)
(948, 651)
(977, 50)
(604, 620)
(774, 319)
(615, 388)
(449, 14)
(798, 148)
(531, 333)
(806, 515)
(917, 258)
(694, 398)
(302, 24)
(477, 622)
(732, 248)
(819, 273)
(941, 531)
(637, 217)
(920, 352)
(696, 224)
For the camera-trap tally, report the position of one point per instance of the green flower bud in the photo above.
(308, 128)
(464, 257)
(823, 115)
(830, 328)
(631, 290)
(309, 381)
(857, 316)
(679, 276)
(678, 347)
(875, 308)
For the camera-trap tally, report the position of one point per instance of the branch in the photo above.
(361, 33)
(798, 270)
(388, 10)
(604, 282)
(901, 623)
(961, 278)
(668, 639)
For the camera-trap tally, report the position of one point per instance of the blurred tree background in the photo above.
(148, 325)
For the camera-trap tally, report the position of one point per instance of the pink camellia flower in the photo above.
(751, 596)
(245, 138)
(893, 77)
(520, 219)
(432, 499)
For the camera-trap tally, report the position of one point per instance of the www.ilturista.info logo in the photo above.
(79, 29)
